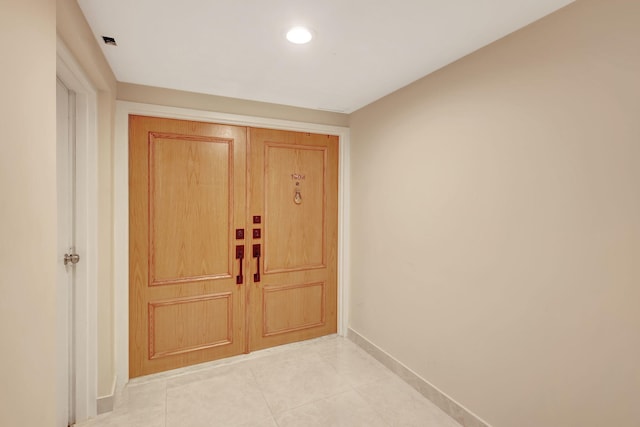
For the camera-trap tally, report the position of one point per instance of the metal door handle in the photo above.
(71, 258)
(240, 256)
(256, 254)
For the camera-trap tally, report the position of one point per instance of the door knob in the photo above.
(71, 258)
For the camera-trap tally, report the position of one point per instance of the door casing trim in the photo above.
(121, 207)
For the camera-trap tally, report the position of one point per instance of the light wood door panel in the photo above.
(300, 241)
(187, 195)
(168, 337)
(296, 297)
(189, 185)
(296, 307)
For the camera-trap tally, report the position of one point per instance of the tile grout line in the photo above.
(273, 417)
(370, 405)
(315, 352)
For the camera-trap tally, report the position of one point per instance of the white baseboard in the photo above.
(105, 403)
(452, 408)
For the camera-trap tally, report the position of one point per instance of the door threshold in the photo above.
(228, 361)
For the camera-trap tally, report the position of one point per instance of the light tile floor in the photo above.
(324, 382)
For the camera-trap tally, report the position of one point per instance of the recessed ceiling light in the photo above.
(299, 35)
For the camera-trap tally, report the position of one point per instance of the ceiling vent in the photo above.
(109, 40)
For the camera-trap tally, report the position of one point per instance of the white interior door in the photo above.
(65, 160)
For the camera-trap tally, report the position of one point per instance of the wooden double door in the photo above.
(233, 240)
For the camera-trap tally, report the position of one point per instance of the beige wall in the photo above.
(27, 213)
(74, 31)
(496, 223)
(198, 101)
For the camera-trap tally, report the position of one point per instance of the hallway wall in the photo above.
(496, 223)
(28, 213)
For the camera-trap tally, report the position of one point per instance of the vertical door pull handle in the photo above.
(240, 256)
(256, 254)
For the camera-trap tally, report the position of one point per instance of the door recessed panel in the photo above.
(294, 307)
(184, 325)
(295, 207)
(191, 206)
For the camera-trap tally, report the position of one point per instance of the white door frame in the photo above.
(85, 304)
(65, 165)
(121, 206)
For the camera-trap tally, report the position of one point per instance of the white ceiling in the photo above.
(362, 49)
